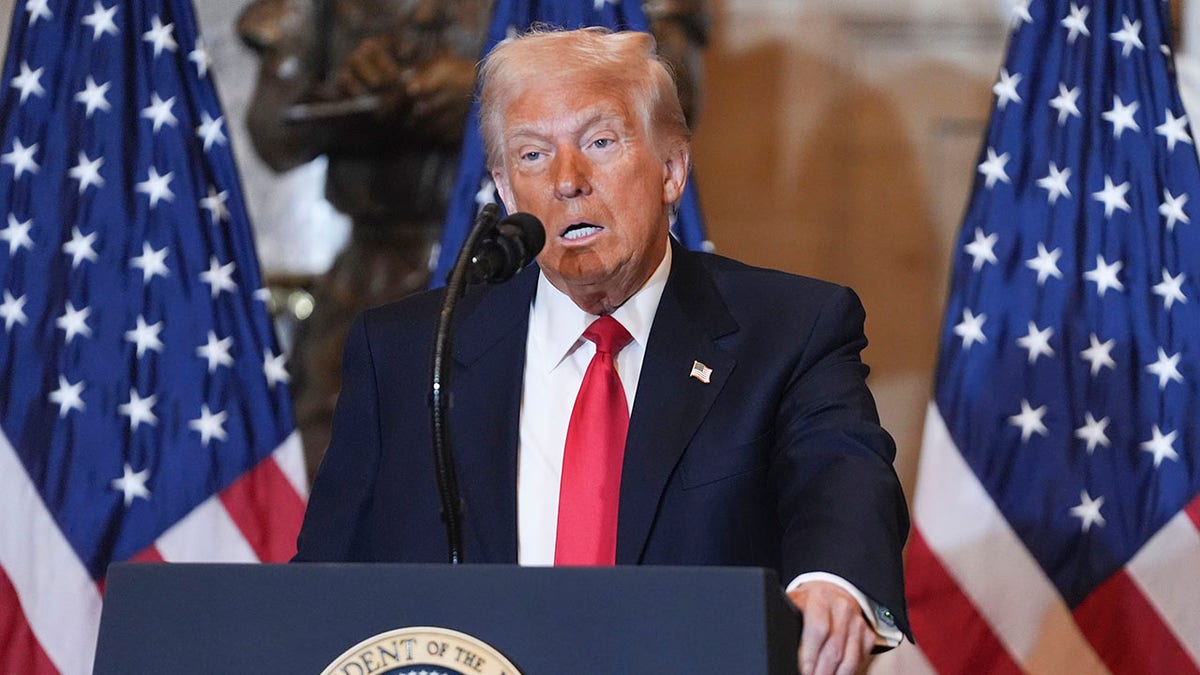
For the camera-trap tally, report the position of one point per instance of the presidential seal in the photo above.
(421, 650)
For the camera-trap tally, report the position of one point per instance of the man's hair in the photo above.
(628, 61)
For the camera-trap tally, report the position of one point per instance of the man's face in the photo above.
(577, 155)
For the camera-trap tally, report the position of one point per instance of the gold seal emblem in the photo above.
(421, 650)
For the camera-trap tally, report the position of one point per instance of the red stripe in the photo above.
(1193, 511)
(949, 629)
(1126, 631)
(267, 510)
(20, 651)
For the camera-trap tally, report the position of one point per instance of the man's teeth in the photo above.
(580, 231)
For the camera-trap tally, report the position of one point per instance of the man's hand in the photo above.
(836, 638)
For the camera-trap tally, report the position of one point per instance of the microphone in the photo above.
(512, 244)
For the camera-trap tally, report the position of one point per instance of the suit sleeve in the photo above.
(841, 507)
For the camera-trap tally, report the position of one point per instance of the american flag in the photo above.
(1056, 510)
(473, 187)
(143, 399)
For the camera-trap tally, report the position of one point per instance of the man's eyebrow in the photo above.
(586, 120)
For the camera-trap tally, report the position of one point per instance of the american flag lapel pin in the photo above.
(701, 372)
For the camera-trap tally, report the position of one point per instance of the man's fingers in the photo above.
(812, 639)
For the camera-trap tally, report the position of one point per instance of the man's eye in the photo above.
(603, 142)
(530, 156)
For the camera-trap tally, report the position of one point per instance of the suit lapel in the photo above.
(669, 404)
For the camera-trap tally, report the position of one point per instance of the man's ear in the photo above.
(675, 174)
(500, 178)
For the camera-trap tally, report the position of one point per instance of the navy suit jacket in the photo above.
(778, 462)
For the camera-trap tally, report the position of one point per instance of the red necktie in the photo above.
(591, 476)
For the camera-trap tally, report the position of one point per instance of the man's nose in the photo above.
(571, 177)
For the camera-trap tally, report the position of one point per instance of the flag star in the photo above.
(1121, 116)
(1045, 264)
(1113, 197)
(598, 5)
(87, 171)
(1092, 432)
(28, 82)
(214, 203)
(13, 311)
(216, 351)
(1128, 36)
(1020, 13)
(1055, 183)
(151, 262)
(1166, 368)
(160, 35)
(21, 158)
(219, 277)
(1172, 209)
(1170, 289)
(1099, 354)
(93, 96)
(970, 329)
(1161, 446)
(1076, 23)
(275, 368)
(132, 484)
(993, 168)
(80, 247)
(101, 20)
(139, 410)
(1006, 89)
(1173, 129)
(38, 9)
(145, 336)
(160, 112)
(1088, 511)
(1064, 103)
(1037, 342)
(210, 425)
(210, 130)
(1030, 421)
(157, 187)
(74, 321)
(1105, 276)
(981, 249)
(17, 235)
(68, 396)
(486, 194)
(263, 294)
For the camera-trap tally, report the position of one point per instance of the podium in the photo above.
(299, 618)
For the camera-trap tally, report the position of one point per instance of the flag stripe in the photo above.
(22, 653)
(1164, 570)
(290, 458)
(207, 534)
(266, 510)
(1193, 511)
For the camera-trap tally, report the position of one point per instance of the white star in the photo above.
(1105, 276)
(13, 311)
(1045, 264)
(1161, 446)
(1113, 197)
(1037, 342)
(80, 247)
(160, 35)
(101, 20)
(1075, 23)
(1172, 209)
(598, 5)
(210, 130)
(993, 168)
(1030, 421)
(1170, 289)
(93, 96)
(200, 57)
(1092, 431)
(1020, 13)
(1173, 129)
(1088, 511)
(21, 158)
(157, 187)
(214, 203)
(219, 277)
(151, 262)
(274, 367)
(263, 294)
(1121, 116)
(67, 397)
(1055, 183)
(1128, 36)
(28, 82)
(486, 194)
(87, 171)
(1099, 354)
(145, 336)
(970, 329)
(160, 111)
(210, 425)
(1006, 89)
(216, 351)
(139, 410)
(38, 9)
(981, 249)
(1064, 103)
(1166, 368)
(74, 321)
(17, 235)
(132, 484)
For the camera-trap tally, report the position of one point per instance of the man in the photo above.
(751, 438)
